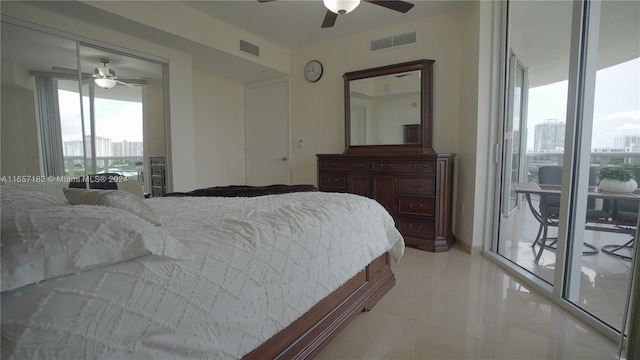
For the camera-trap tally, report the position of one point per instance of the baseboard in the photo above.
(473, 250)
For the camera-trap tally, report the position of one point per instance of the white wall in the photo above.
(219, 130)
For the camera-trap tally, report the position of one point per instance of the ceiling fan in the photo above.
(105, 77)
(341, 7)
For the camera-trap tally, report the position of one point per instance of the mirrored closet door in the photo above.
(72, 108)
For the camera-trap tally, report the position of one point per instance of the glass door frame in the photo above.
(582, 70)
(516, 70)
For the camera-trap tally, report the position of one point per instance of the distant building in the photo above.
(117, 149)
(634, 147)
(625, 141)
(127, 148)
(74, 147)
(549, 136)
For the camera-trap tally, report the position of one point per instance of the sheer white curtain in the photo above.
(48, 114)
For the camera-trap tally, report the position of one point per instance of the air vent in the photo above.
(381, 44)
(404, 39)
(249, 48)
(393, 41)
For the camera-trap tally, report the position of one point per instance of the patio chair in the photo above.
(550, 207)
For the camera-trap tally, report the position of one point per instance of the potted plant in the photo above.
(617, 179)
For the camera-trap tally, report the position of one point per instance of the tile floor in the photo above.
(455, 305)
(604, 279)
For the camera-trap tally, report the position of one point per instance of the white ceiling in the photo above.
(295, 23)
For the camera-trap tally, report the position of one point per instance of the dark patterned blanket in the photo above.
(246, 190)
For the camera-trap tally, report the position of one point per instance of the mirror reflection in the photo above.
(117, 126)
(385, 110)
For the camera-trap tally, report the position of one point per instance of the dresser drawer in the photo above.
(426, 167)
(157, 181)
(416, 205)
(333, 181)
(418, 227)
(344, 165)
(417, 185)
(156, 160)
(157, 192)
(157, 170)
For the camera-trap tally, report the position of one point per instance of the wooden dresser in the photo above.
(158, 167)
(416, 189)
(390, 158)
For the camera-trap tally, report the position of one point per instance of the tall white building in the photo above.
(625, 141)
(74, 147)
(127, 148)
(549, 136)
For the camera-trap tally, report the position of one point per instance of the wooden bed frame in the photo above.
(309, 334)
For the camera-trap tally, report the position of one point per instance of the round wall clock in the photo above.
(313, 70)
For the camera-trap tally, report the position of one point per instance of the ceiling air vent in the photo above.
(393, 41)
(249, 48)
(381, 44)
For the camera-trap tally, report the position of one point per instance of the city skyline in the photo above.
(104, 147)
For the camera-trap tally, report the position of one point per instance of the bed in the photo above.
(273, 276)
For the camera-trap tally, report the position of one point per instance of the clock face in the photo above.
(313, 71)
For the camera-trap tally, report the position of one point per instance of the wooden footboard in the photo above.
(306, 336)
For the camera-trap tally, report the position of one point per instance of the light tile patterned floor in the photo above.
(458, 306)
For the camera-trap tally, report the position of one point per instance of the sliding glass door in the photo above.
(540, 116)
(582, 61)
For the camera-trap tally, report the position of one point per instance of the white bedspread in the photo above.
(259, 264)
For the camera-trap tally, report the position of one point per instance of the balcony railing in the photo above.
(105, 164)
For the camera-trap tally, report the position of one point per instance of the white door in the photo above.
(268, 139)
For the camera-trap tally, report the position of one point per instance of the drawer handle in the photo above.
(414, 186)
(386, 166)
(330, 165)
(357, 166)
(335, 181)
(414, 207)
(415, 227)
(418, 168)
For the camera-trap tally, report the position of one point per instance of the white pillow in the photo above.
(27, 200)
(61, 240)
(118, 199)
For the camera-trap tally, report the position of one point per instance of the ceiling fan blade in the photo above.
(401, 6)
(261, 1)
(123, 83)
(329, 19)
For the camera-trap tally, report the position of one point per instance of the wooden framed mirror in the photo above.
(389, 109)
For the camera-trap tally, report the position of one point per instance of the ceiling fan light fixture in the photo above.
(105, 83)
(341, 6)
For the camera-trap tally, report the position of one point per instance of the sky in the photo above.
(616, 104)
(115, 120)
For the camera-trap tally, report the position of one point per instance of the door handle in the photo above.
(283, 159)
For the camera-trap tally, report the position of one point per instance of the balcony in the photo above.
(123, 165)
